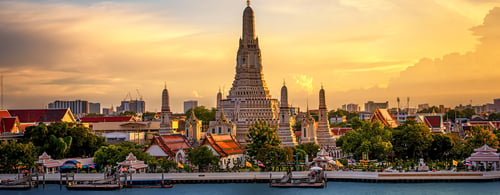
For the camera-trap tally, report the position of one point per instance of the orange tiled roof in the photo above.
(171, 144)
(4, 113)
(224, 145)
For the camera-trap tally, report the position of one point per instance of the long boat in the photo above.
(316, 179)
(149, 183)
(109, 184)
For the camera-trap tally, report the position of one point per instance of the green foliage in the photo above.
(202, 157)
(203, 114)
(441, 147)
(494, 117)
(147, 116)
(480, 136)
(127, 113)
(465, 113)
(112, 154)
(340, 113)
(62, 140)
(311, 149)
(14, 155)
(370, 137)
(261, 136)
(413, 140)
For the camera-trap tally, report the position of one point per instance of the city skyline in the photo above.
(436, 53)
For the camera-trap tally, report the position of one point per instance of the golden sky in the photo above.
(434, 51)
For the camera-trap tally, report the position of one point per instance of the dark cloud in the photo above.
(21, 47)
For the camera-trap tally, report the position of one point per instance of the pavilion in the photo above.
(485, 157)
(131, 164)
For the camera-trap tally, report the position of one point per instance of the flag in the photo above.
(349, 162)
(248, 164)
(468, 163)
(180, 165)
(339, 164)
(79, 165)
(455, 163)
(260, 164)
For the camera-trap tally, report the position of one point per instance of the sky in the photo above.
(433, 51)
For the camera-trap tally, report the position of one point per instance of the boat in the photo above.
(108, 184)
(315, 179)
(149, 183)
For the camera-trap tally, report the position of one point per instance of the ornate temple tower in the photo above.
(324, 135)
(166, 115)
(286, 120)
(249, 100)
(192, 130)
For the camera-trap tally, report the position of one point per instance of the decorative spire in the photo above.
(284, 83)
(248, 2)
(165, 84)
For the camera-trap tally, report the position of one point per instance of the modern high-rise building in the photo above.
(94, 108)
(350, 107)
(190, 104)
(137, 106)
(78, 107)
(371, 106)
(249, 99)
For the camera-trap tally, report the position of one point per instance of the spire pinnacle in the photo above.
(284, 83)
(248, 2)
(165, 84)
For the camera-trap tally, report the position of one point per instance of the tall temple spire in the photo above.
(285, 130)
(166, 123)
(248, 24)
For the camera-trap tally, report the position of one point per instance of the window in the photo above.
(220, 130)
(213, 130)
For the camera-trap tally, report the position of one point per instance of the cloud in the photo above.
(304, 82)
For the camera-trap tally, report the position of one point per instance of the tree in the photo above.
(148, 116)
(112, 154)
(441, 147)
(14, 155)
(261, 136)
(311, 149)
(62, 140)
(480, 136)
(373, 138)
(415, 138)
(203, 114)
(494, 117)
(202, 157)
(127, 113)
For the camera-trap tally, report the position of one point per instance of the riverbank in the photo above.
(263, 177)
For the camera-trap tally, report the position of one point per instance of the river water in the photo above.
(264, 189)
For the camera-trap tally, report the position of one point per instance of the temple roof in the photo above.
(107, 119)
(42, 115)
(224, 145)
(383, 116)
(172, 143)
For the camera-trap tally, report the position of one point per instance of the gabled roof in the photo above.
(172, 143)
(485, 148)
(10, 124)
(41, 115)
(432, 121)
(4, 113)
(383, 116)
(107, 119)
(223, 144)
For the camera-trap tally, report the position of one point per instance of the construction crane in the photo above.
(139, 94)
(129, 96)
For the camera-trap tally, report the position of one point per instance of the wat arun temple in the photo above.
(249, 100)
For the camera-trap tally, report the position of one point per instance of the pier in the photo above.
(264, 177)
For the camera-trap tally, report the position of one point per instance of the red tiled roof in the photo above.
(7, 124)
(340, 130)
(4, 113)
(432, 121)
(39, 115)
(171, 144)
(106, 119)
(224, 145)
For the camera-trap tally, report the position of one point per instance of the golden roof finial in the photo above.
(248, 2)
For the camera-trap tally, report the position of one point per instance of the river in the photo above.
(264, 189)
